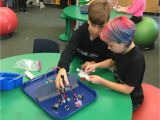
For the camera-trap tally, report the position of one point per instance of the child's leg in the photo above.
(24, 6)
(136, 19)
(135, 107)
(20, 5)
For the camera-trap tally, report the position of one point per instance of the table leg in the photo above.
(66, 36)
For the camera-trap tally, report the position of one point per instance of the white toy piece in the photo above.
(29, 75)
(82, 74)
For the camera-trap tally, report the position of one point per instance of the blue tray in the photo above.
(31, 87)
(9, 81)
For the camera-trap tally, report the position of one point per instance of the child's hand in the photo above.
(59, 80)
(121, 9)
(95, 79)
(87, 64)
(89, 67)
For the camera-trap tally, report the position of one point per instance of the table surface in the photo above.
(15, 105)
(73, 12)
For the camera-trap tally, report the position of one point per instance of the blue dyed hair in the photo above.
(119, 29)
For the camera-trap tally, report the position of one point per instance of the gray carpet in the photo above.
(46, 23)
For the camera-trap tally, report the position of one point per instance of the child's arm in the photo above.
(134, 7)
(104, 64)
(121, 9)
(123, 88)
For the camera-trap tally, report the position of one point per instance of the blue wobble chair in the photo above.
(45, 45)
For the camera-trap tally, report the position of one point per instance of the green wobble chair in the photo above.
(146, 33)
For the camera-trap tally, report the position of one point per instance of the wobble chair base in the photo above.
(4, 37)
(147, 48)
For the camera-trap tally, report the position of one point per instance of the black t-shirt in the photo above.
(80, 45)
(129, 69)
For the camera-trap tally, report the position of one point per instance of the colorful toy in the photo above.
(83, 75)
(59, 103)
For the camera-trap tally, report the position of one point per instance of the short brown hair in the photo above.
(99, 12)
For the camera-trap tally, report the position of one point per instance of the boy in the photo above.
(85, 42)
(128, 60)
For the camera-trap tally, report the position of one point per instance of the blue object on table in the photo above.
(31, 87)
(84, 9)
(9, 81)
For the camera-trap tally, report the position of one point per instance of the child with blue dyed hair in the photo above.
(128, 60)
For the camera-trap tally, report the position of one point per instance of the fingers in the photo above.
(84, 65)
(89, 68)
(66, 80)
(61, 83)
(57, 82)
(61, 79)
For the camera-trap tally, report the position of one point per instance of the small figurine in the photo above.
(63, 98)
(78, 103)
(55, 106)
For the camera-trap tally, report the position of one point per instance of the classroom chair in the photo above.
(45, 45)
(150, 108)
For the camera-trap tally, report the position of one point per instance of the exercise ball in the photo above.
(146, 32)
(8, 21)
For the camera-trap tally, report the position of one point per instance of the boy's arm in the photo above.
(123, 88)
(104, 64)
(70, 50)
(67, 57)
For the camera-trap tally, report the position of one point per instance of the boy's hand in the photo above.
(59, 80)
(96, 79)
(89, 67)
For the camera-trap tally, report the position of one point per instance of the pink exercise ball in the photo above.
(8, 21)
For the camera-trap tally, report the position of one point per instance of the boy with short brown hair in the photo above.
(85, 41)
